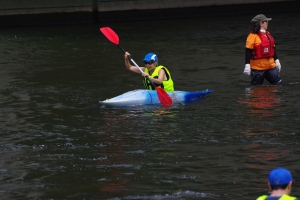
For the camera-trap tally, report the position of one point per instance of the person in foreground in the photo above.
(158, 74)
(280, 184)
(261, 61)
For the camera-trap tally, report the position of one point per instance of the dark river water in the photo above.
(58, 142)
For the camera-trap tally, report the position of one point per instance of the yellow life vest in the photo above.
(167, 85)
(283, 197)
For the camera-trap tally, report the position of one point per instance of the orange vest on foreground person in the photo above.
(263, 46)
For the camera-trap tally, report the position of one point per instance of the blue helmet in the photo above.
(150, 57)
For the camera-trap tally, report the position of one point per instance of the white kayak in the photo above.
(149, 97)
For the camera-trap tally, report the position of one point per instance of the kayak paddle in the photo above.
(163, 97)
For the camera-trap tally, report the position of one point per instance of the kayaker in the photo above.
(280, 183)
(158, 74)
(261, 61)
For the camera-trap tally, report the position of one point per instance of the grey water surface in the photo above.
(58, 142)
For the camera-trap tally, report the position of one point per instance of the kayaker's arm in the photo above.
(161, 76)
(131, 67)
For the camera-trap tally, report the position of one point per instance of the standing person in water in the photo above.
(158, 74)
(261, 60)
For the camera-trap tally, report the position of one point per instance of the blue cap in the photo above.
(280, 176)
(150, 57)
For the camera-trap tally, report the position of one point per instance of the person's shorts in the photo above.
(271, 75)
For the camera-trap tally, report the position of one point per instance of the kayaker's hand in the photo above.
(145, 74)
(247, 70)
(126, 55)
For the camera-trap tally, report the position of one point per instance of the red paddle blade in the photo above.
(110, 35)
(164, 98)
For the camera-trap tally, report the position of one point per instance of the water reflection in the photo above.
(262, 100)
(126, 137)
(263, 106)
